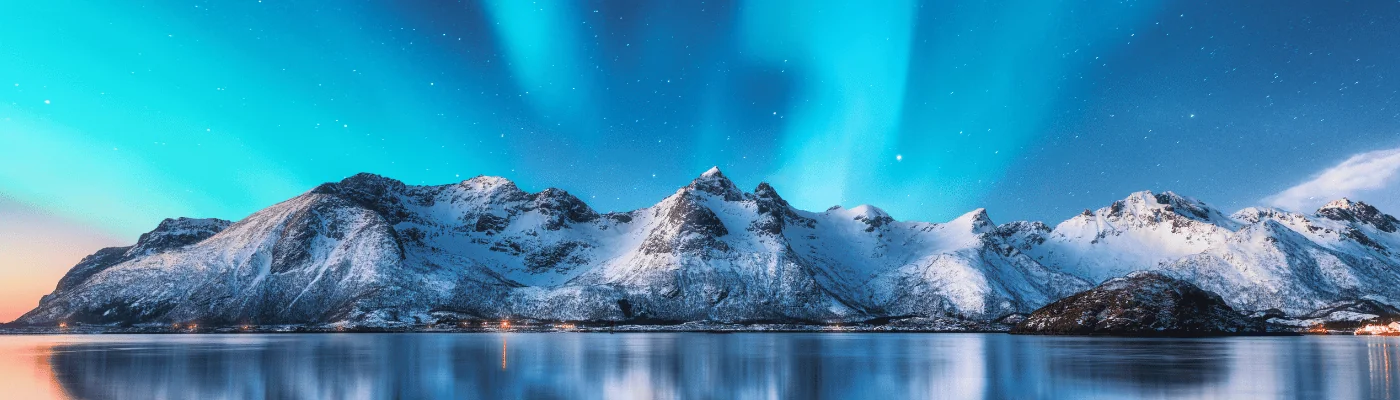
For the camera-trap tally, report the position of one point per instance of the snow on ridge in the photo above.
(483, 247)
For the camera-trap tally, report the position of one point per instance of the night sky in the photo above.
(114, 115)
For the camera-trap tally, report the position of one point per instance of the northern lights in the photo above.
(116, 115)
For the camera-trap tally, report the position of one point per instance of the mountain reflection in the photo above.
(695, 365)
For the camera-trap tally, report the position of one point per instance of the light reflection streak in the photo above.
(694, 365)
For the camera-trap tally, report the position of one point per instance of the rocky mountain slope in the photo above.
(372, 251)
(1141, 303)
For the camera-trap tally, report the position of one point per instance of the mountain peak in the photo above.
(562, 207)
(714, 182)
(764, 190)
(1343, 203)
(872, 216)
(766, 194)
(177, 232)
(1145, 202)
(361, 183)
(488, 183)
(366, 179)
(1356, 211)
(712, 172)
(976, 220)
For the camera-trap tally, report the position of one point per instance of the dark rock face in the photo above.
(1140, 304)
(1357, 211)
(177, 232)
(689, 227)
(370, 191)
(876, 220)
(562, 208)
(774, 212)
(1183, 206)
(714, 182)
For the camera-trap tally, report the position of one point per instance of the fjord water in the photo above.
(693, 365)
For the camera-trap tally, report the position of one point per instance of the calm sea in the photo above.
(693, 366)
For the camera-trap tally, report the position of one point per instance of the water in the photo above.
(693, 365)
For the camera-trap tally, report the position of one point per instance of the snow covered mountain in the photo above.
(1257, 259)
(1135, 233)
(372, 251)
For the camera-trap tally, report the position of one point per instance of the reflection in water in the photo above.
(24, 368)
(694, 365)
(1380, 354)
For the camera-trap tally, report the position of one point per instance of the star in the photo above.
(899, 157)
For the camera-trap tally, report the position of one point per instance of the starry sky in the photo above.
(114, 115)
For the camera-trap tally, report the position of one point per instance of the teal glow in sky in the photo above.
(119, 114)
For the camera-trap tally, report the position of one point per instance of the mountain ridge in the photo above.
(372, 251)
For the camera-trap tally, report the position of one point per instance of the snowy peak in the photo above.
(975, 221)
(1359, 212)
(1185, 206)
(1138, 232)
(713, 172)
(1148, 203)
(1148, 209)
(714, 182)
(1251, 215)
(873, 217)
(490, 184)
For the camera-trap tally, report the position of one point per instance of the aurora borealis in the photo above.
(114, 115)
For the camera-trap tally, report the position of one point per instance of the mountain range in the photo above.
(370, 251)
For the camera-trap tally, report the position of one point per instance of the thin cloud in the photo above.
(1362, 173)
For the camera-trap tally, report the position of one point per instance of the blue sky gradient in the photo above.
(116, 115)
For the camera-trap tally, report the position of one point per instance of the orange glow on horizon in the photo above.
(38, 248)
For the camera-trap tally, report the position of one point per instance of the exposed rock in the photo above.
(1140, 304)
(1355, 211)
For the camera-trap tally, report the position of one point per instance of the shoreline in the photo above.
(89, 330)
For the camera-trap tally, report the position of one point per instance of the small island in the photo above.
(1141, 304)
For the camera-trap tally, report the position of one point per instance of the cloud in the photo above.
(1361, 173)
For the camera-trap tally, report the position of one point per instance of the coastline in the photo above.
(549, 328)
